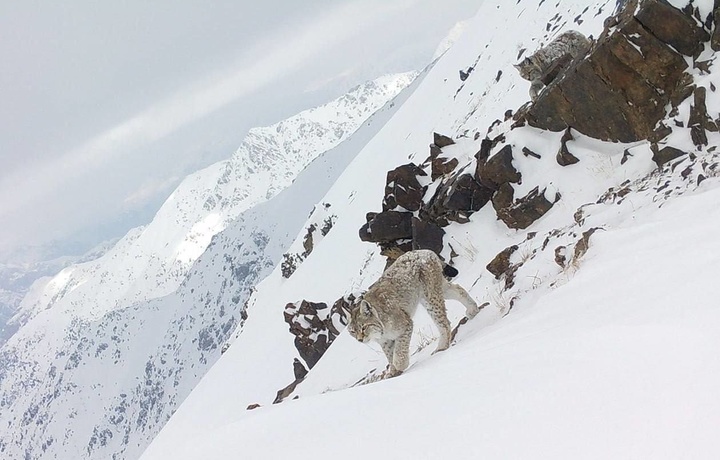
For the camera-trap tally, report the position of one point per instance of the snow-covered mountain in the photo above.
(108, 349)
(598, 340)
(24, 269)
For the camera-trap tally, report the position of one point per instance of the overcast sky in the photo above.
(107, 105)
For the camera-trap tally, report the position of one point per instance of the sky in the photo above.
(107, 106)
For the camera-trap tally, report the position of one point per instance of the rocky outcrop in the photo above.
(635, 70)
(315, 327)
(456, 199)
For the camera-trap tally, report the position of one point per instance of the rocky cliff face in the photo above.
(105, 353)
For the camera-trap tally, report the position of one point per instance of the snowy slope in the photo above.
(599, 368)
(138, 361)
(595, 358)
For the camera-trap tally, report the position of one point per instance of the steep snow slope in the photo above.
(595, 365)
(78, 382)
(599, 368)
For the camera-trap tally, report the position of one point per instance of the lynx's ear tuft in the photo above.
(366, 309)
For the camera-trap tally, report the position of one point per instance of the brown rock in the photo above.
(441, 140)
(299, 369)
(501, 262)
(672, 26)
(498, 170)
(403, 188)
(441, 166)
(564, 157)
(665, 154)
(455, 200)
(504, 197)
(387, 226)
(526, 210)
(620, 91)
(427, 235)
(715, 39)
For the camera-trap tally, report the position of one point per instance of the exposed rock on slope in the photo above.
(634, 71)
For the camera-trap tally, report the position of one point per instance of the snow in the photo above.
(610, 355)
(619, 363)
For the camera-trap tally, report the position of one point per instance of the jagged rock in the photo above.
(561, 256)
(456, 199)
(285, 392)
(498, 170)
(715, 38)
(620, 91)
(583, 244)
(466, 194)
(427, 235)
(529, 153)
(308, 240)
(699, 121)
(500, 264)
(253, 406)
(526, 210)
(564, 157)
(403, 188)
(315, 328)
(441, 166)
(483, 154)
(672, 26)
(504, 197)
(387, 226)
(665, 154)
(464, 74)
(441, 140)
(299, 370)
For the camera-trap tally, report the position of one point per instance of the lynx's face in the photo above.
(364, 324)
(527, 69)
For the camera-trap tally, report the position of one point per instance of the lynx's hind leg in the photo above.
(435, 304)
(453, 291)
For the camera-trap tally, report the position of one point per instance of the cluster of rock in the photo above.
(635, 69)
(619, 91)
(411, 220)
(315, 327)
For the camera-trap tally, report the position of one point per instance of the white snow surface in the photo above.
(613, 355)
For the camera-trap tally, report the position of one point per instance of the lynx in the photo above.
(567, 46)
(386, 310)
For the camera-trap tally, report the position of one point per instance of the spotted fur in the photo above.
(534, 67)
(385, 313)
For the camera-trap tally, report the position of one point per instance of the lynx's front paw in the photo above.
(391, 372)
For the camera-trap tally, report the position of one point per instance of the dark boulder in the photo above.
(498, 170)
(403, 188)
(564, 157)
(526, 210)
(456, 199)
(387, 226)
(427, 235)
(665, 154)
(441, 140)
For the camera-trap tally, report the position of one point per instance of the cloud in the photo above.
(263, 64)
(147, 191)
